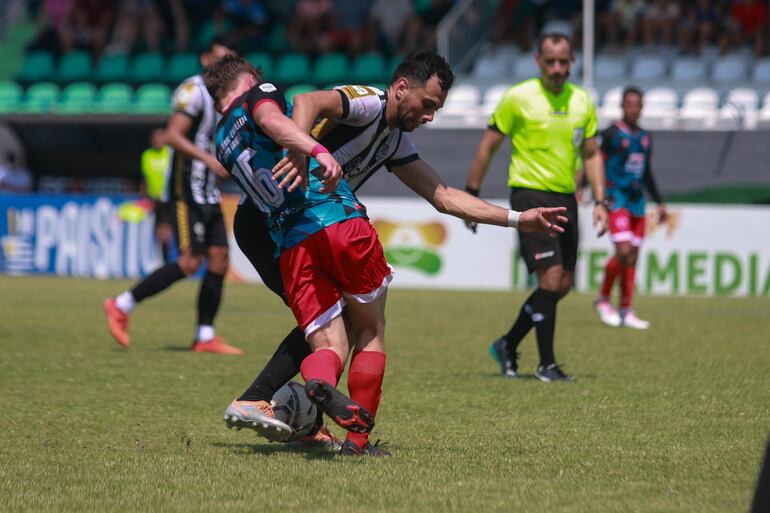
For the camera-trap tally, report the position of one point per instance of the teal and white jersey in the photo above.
(249, 155)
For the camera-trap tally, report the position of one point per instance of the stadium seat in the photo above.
(41, 97)
(112, 68)
(292, 68)
(74, 66)
(38, 66)
(182, 66)
(609, 68)
(492, 97)
(10, 97)
(610, 108)
(495, 63)
(699, 108)
(660, 108)
(462, 101)
(740, 109)
(525, 67)
(294, 90)
(114, 98)
(760, 73)
(147, 67)
(368, 68)
(263, 61)
(648, 68)
(76, 98)
(730, 68)
(276, 38)
(331, 68)
(688, 69)
(153, 98)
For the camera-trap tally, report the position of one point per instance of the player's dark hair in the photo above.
(631, 90)
(421, 66)
(225, 41)
(553, 37)
(222, 76)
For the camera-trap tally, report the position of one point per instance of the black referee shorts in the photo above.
(538, 249)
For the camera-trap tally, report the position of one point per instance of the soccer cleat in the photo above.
(630, 320)
(507, 360)
(340, 408)
(323, 437)
(607, 313)
(351, 449)
(259, 416)
(216, 345)
(117, 322)
(551, 373)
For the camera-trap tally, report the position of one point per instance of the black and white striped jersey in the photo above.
(191, 180)
(360, 140)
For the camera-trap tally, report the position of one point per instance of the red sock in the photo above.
(610, 273)
(323, 364)
(627, 286)
(367, 368)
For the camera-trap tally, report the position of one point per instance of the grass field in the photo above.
(668, 420)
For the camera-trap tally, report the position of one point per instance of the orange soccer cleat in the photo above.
(259, 416)
(117, 322)
(323, 437)
(216, 345)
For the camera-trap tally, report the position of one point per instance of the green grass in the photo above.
(668, 420)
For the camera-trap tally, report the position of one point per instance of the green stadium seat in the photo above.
(276, 39)
(182, 66)
(152, 99)
(264, 61)
(208, 31)
(147, 67)
(41, 97)
(114, 98)
(10, 97)
(37, 67)
(292, 68)
(331, 68)
(382, 86)
(77, 98)
(368, 68)
(392, 65)
(73, 67)
(294, 90)
(112, 68)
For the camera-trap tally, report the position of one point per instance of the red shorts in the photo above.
(626, 228)
(342, 261)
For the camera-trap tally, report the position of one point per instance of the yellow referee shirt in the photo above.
(546, 131)
(155, 170)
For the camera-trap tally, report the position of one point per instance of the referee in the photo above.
(551, 123)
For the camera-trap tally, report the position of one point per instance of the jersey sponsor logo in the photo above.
(578, 135)
(268, 87)
(635, 164)
(352, 168)
(184, 96)
(545, 254)
(382, 151)
(356, 91)
(538, 317)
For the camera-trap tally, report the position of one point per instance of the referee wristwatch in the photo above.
(604, 203)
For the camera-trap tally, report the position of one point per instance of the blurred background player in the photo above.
(155, 165)
(627, 151)
(551, 123)
(199, 225)
(13, 176)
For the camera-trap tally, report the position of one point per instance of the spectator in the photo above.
(422, 35)
(390, 19)
(659, 20)
(14, 177)
(310, 29)
(51, 16)
(514, 21)
(173, 15)
(622, 22)
(351, 26)
(746, 24)
(249, 18)
(135, 16)
(698, 26)
(87, 26)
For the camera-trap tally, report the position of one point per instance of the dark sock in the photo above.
(522, 325)
(544, 318)
(209, 298)
(158, 281)
(281, 368)
(165, 249)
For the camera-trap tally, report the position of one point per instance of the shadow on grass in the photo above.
(311, 453)
(531, 378)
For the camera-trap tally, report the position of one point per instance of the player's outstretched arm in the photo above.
(422, 179)
(177, 130)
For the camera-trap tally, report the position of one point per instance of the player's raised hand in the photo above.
(332, 171)
(601, 219)
(292, 169)
(541, 219)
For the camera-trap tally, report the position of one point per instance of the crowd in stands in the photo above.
(687, 26)
(310, 26)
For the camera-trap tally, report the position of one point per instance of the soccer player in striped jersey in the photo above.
(199, 226)
(627, 150)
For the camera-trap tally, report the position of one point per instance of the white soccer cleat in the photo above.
(259, 416)
(630, 320)
(607, 313)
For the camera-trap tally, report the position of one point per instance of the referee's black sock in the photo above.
(521, 326)
(209, 298)
(281, 368)
(158, 281)
(544, 318)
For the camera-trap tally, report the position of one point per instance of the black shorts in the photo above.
(253, 238)
(199, 227)
(538, 249)
(164, 213)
